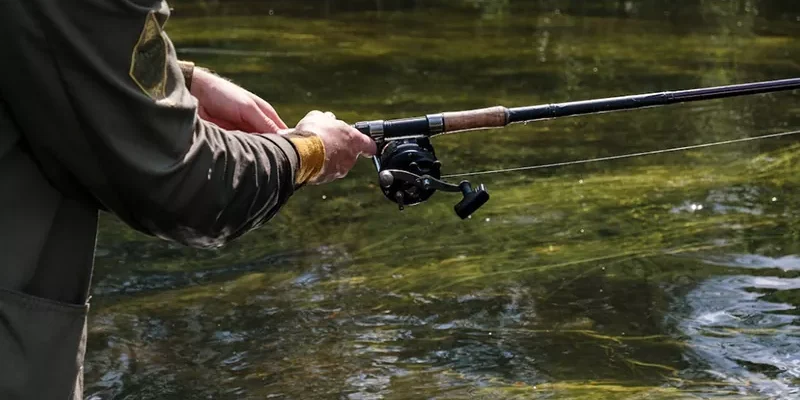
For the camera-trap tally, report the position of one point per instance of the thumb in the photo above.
(365, 145)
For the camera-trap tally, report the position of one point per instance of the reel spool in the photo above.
(416, 157)
(409, 174)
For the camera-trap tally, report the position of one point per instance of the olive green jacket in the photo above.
(95, 115)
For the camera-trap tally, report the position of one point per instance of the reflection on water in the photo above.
(746, 329)
(666, 277)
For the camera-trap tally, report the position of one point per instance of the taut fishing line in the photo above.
(621, 156)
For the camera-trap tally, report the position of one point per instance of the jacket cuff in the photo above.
(288, 149)
(311, 155)
(187, 69)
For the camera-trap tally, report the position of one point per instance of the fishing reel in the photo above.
(409, 174)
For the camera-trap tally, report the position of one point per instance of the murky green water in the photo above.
(666, 277)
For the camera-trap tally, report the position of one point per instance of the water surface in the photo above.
(674, 276)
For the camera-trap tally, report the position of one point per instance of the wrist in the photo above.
(187, 69)
(311, 155)
(202, 80)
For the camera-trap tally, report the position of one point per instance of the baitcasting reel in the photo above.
(409, 174)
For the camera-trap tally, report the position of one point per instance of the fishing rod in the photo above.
(409, 172)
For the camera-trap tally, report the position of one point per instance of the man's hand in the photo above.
(232, 107)
(343, 144)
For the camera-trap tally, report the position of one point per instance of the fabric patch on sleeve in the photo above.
(149, 59)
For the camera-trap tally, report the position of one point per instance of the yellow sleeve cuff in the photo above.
(311, 152)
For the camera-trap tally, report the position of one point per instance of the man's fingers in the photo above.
(255, 121)
(273, 127)
(313, 113)
(261, 123)
(364, 144)
(270, 112)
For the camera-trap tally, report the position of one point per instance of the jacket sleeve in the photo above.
(133, 136)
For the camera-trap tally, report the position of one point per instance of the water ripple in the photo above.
(744, 335)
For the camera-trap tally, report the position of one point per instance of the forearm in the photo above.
(225, 185)
(126, 128)
(309, 147)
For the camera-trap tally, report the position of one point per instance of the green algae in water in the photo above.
(576, 282)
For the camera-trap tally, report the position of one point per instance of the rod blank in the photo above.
(550, 111)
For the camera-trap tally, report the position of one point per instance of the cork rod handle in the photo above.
(492, 117)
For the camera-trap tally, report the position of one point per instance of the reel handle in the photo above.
(472, 201)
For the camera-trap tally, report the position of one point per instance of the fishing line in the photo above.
(621, 156)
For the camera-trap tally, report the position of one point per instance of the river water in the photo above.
(674, 276)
